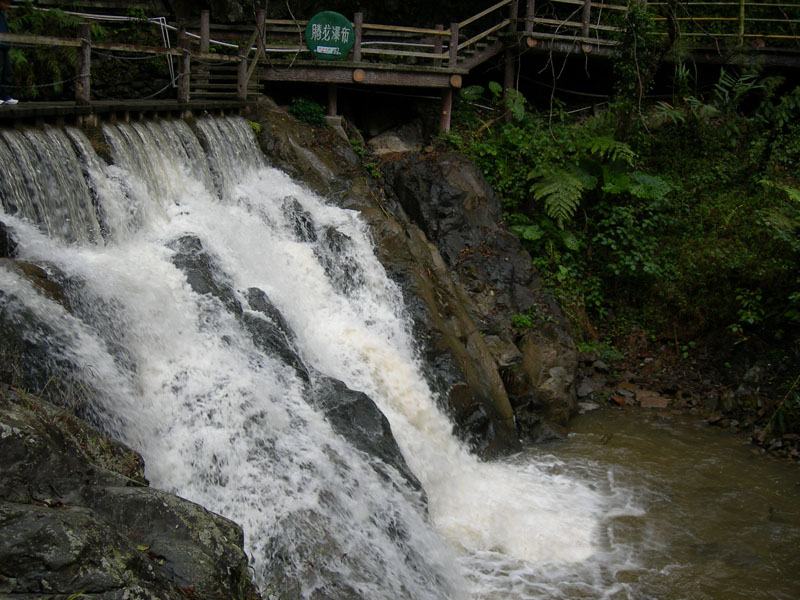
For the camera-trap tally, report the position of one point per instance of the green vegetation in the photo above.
(308, 111)
(677, 220)
(42, 72)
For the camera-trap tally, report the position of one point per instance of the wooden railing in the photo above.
(225, 61)
(711, 23)
(575, 21)
(745, 22)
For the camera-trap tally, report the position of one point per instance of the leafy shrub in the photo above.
(308, 111)
(42, 72)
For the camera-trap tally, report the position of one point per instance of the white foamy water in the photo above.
(232, 427)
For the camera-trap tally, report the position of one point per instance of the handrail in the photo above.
(483, 14)
(486, 33)
(400, 29)
(404, 53)
(574, 24)
(620, 7)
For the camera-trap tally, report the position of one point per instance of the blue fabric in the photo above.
(4, 27)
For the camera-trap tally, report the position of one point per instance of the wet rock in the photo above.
(550, 363)
(547, 432)
(449, 199)
(77, 518)
(8, 245)
(473, 425)
(335, 253)
(271, 333)
(445, 319)
(202, 274)
(32, 354)
(39, 277)
(588, 386)
(354, 416)
(406, 138)
(650, 399)
(301, 219)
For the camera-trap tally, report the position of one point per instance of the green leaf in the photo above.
(471, 93)
(570, 241)
(607, 147)
(793, 193)
(561, 192)
(531, 233)
(648, 187)
(615, 182)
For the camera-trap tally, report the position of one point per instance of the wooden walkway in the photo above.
(216, 67)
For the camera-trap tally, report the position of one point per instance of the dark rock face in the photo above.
(354, 416)
(460, 365)
(77, 517)
(8, 245)
(201, 272)
(271, 333)
(450, 200)
(31, 352)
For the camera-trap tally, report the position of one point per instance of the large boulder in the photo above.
(78, 518)
(448, 197)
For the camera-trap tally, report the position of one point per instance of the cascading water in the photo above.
(171, 255)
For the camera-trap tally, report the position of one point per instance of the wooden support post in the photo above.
(358, 22)
(201, 72)
(513, 13)
(205, 31)
(530, 10)
(261, 24)
(241, 88)
(83, 85)
(447, 109)
(437, 46)
(587, 17)
(332, 98)
(741, 22)
(453, 52)
(261, 35)
(509, 70)
(184, 67)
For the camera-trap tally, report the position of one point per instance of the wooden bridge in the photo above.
(220, 68)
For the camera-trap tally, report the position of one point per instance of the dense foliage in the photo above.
(49, 72)
(680, 223)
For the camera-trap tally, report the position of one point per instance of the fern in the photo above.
(792, 193)
(648, 187)
(561, 191)
(729, 89)
(608, 148)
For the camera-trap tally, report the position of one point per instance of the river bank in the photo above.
(662, 378)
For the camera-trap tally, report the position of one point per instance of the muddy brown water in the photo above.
(718, 520)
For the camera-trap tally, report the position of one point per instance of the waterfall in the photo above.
(215, 303)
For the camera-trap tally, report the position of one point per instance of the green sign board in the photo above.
(329, 36)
